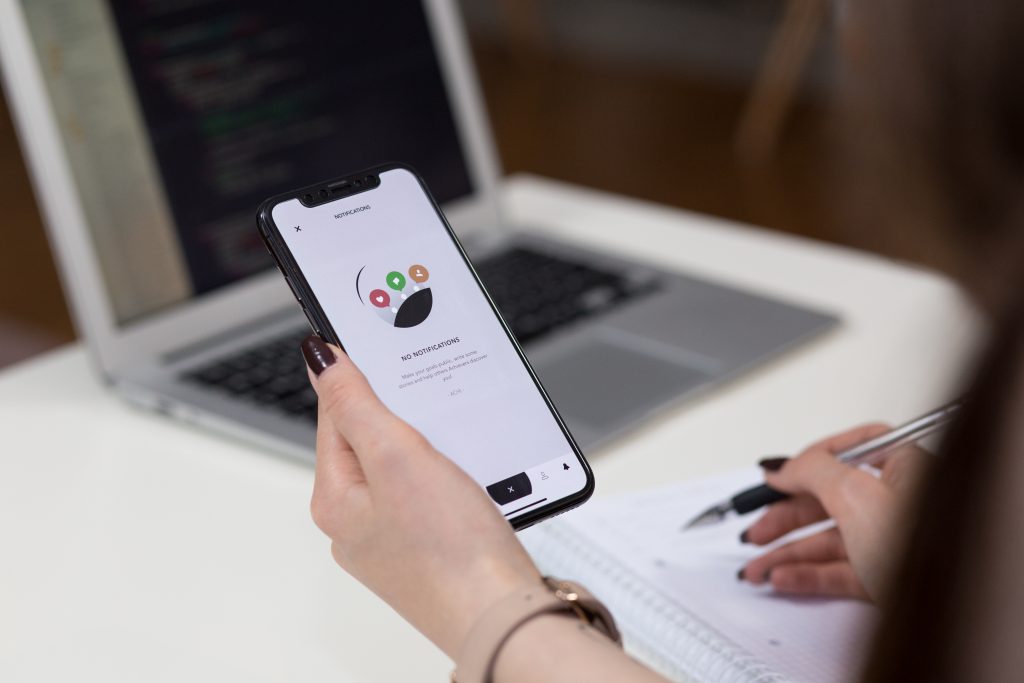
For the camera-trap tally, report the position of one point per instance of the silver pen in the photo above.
(868, 452)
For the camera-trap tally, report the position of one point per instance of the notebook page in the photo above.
(666, 638)
(695, 572)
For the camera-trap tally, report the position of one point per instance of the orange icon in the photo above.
(418, 273)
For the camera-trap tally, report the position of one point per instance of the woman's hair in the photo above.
(935, 107)
(938, 98)
(943, 601)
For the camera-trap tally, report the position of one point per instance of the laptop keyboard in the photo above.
(536, 292)
(271, 374)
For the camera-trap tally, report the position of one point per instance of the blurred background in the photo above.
(717, 106)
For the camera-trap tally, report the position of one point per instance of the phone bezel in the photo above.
(321, 325)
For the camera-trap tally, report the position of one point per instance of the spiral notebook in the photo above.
(676, 596)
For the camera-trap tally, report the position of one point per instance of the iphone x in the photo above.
(378, 271)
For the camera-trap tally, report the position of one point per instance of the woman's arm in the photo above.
(414, 528)
(560, 648)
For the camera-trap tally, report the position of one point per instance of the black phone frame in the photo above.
(346, 186)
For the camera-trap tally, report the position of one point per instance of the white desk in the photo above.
(133, 548)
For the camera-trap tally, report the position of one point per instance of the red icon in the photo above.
(380, 298)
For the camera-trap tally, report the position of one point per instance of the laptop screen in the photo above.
(180, 116)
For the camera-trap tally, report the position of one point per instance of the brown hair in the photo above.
(938, 98)
(935, 107)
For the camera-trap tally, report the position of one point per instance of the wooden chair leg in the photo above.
(771, 98)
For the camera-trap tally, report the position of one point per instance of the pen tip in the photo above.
(700, 520)
(713, 515)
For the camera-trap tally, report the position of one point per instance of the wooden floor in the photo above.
(663, 136)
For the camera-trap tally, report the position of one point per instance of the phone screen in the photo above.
(395, 288)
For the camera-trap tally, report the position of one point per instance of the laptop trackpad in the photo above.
(598, 383)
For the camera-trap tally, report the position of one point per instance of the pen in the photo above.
(865, 453)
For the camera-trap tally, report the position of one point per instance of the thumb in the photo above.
(348, 401)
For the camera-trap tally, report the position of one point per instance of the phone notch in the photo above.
(338, 188)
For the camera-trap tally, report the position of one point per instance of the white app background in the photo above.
(472, 398)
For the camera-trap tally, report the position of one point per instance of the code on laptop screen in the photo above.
(243, 99)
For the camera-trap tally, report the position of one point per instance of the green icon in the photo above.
(396, 280)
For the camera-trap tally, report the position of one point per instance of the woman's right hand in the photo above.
(852, 559)
(402, 518)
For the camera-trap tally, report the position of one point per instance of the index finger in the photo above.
(816, 468)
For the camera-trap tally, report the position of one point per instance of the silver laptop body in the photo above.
(150, 327)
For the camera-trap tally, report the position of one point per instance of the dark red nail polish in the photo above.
(739, 575)
(768, 576)
(772, 464)
(745, 537)
(318, 355)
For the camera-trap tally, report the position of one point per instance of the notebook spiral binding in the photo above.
(655, 628)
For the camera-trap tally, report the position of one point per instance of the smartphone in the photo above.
(378, 271)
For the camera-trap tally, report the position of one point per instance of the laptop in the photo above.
(153, 129)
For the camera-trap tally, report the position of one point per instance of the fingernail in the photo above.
(739, 575)
(772, 464)
(318, 355)
(745, 537)
(768, 576)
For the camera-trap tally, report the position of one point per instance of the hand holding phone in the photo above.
(403, 518)
(380, 273)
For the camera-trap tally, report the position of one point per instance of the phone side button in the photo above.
(294, 291)
(312, 324)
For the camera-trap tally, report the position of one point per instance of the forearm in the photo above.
(559, 648)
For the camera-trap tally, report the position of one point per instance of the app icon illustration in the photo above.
(396, 281)
(419, 273)
(403, 301)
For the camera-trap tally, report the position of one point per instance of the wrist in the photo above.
(505, 619)
(473, 597)
(525, 648)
